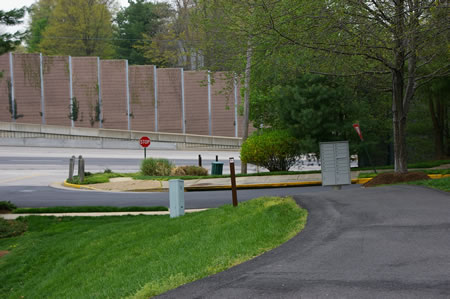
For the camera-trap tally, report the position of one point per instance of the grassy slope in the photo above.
(427, 171)
(441, 184)
(140, 256)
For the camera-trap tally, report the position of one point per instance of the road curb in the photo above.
(253, 186)
(66, 184)
(224, 187)
(360, 181)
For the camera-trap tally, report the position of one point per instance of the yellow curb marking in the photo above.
(274, 185)
(66, 184)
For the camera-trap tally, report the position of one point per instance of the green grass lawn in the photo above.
(96, 178)
(427, 171)
(441, 184)
(139, 256)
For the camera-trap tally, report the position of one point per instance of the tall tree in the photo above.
(40, 13)
(139, 18)
(225, 45)
(79, 28)
(381, 37)
(174, 44)
(8, 41)
(436, 95)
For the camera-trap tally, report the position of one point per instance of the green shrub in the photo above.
(275, 150)
(178, 171)
(195, 170)
(189, 171)
(11, 228)
(7, 206)
(156, 167)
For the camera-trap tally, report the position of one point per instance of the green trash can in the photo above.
(217, 168)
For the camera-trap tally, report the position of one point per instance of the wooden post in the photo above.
(233, 182)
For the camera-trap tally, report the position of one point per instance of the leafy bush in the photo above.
(11, 228)
(189, 171)
(7, 206)
(178, 171)
(275, 150)
(156, 167)
(195, 170)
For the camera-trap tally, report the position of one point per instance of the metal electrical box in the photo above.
(176, 197)
(335, 163)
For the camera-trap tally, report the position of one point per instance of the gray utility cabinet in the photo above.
(335, 163)
(176, 198)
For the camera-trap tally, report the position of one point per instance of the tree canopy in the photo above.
(9, 41)
(139, 20)
(80, 28)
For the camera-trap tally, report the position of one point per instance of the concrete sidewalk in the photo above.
(268, 181)
(94, 214)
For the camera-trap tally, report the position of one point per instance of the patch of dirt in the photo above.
(128, 185)
(3, 252)
(393, 178)
(5, 212)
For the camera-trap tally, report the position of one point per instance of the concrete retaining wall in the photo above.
(112, 95)
(196, 102)
(222, 98)
(27, 86)
(5, 115)
(169, 100)
(85, 90)
(57, 90)
(142, 97)
(20, 134)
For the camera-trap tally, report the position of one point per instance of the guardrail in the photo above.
(106, 138)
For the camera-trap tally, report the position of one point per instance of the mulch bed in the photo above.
(394, 178)
(5, 212)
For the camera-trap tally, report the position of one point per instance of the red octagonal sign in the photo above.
(144, 141)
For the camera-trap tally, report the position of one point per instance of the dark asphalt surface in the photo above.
(385, 242)
(37, 196)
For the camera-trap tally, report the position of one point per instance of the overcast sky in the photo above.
(6, 5)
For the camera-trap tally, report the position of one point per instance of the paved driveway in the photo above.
(385, 242)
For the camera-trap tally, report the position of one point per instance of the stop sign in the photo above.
(144, 141)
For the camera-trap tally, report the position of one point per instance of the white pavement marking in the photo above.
(20, 178)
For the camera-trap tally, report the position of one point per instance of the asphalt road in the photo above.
(26, 173)
(41, 196)
(385, 242)
(22, 166)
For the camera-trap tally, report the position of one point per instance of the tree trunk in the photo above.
(437, 116)
(399, 123)
(401, 96)
(247, 98)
